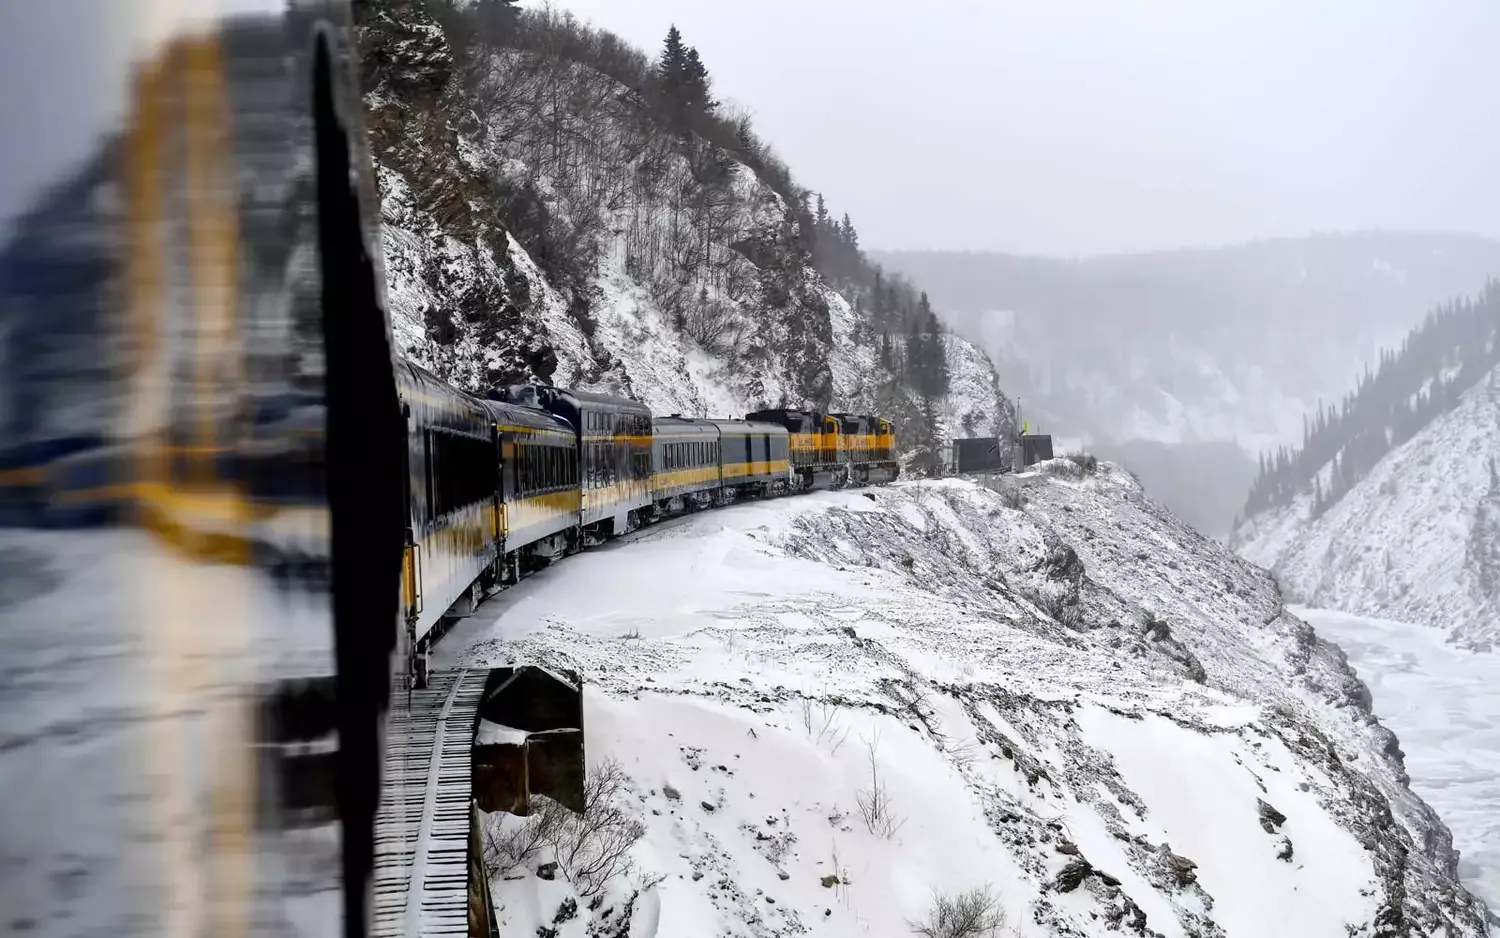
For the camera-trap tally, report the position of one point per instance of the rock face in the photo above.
(1417, 540)
(541, 224)
(1069, 693)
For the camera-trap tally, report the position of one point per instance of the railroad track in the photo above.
(422, 827)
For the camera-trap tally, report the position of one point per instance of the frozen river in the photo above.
(1444, 704)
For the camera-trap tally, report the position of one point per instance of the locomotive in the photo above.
(504, 484)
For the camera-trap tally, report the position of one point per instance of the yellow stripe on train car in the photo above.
(24, 476)
(537, 431)
(525, 512)
(641, 440)
(677, 478)
(740, 470)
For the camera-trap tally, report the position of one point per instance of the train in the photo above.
(504, 483)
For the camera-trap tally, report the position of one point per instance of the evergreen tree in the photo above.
(1435, 365)
(671, 70)
(696, 85)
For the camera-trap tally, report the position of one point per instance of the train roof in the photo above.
(747, 427)
(685, 426)
(869, 417)
(545, 396)
(506, 414)
(771, 412)
(415, 383)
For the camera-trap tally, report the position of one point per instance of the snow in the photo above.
(1444, 703)
(494, 734)
(1324, 890)
(1415, 540)
(745, 666)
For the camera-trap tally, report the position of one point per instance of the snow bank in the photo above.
(1078, 701)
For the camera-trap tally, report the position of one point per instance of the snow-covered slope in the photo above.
(1417, 540)
(1057, 691)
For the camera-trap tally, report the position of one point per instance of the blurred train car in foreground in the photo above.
(198, 431)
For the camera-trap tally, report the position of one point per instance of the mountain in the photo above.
(1417, 539)
(838, 714)
(1234, 344)
(557, 207)
(1391, 505)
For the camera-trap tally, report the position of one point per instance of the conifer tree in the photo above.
(696, 85)
(672, 68)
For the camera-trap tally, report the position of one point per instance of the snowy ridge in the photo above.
(1059, 689)
(1418, 540)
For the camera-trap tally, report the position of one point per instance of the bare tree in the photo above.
(876, 807)
(973, 913)
(589, 848)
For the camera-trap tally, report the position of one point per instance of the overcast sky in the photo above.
(1081, 126)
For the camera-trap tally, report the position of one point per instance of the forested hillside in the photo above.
(560, 207)
(1454, 347)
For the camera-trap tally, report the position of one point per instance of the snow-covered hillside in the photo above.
(830, 709)
(1417, 540)
(659, 265)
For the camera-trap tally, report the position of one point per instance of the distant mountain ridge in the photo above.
(1154, 359)
(1233, 343)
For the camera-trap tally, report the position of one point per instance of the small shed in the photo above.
(981, 454)
(1035, 447)
(529, 740)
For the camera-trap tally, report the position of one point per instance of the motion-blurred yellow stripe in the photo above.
(197, 616)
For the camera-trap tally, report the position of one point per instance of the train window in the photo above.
(427, 461)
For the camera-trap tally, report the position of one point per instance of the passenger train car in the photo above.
(504, 484)
(613, 438)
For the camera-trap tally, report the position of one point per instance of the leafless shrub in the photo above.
(1011, 496)
(973, 913)
(820, 718)
(839, 880)
(506, 849)
(711, 323)
(911, 697)
(875, 804)
(589, 848)
(593, 846)
(1084, 461)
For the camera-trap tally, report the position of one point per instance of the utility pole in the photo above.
(1017, 450)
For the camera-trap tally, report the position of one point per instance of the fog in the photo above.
(1103, 125)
